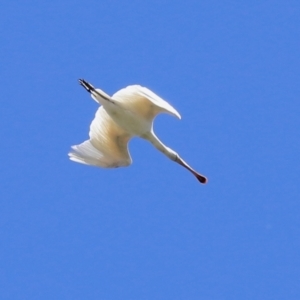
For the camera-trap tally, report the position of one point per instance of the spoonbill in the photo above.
(129, 112)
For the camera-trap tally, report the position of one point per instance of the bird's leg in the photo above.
(98, 95)
(86, 85)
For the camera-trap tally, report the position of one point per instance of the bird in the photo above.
(130, 112)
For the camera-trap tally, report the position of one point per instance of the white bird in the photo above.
(129, 112)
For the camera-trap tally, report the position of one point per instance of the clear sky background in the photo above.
(151, 231)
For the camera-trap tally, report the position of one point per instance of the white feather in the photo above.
(129, 112)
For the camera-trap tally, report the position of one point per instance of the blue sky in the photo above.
(151, 231)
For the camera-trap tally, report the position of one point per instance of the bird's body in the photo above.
(129, 112)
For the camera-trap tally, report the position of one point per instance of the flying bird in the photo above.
(129, 112)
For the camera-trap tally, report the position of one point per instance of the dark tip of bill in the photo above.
(202, 179)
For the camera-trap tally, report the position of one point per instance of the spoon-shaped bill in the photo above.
(199, 177)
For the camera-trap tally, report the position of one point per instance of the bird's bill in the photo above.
(199, 177)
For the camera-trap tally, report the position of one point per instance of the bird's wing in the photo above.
(107, 146)
(144, 102)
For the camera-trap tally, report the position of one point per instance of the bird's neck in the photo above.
(158, 144)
